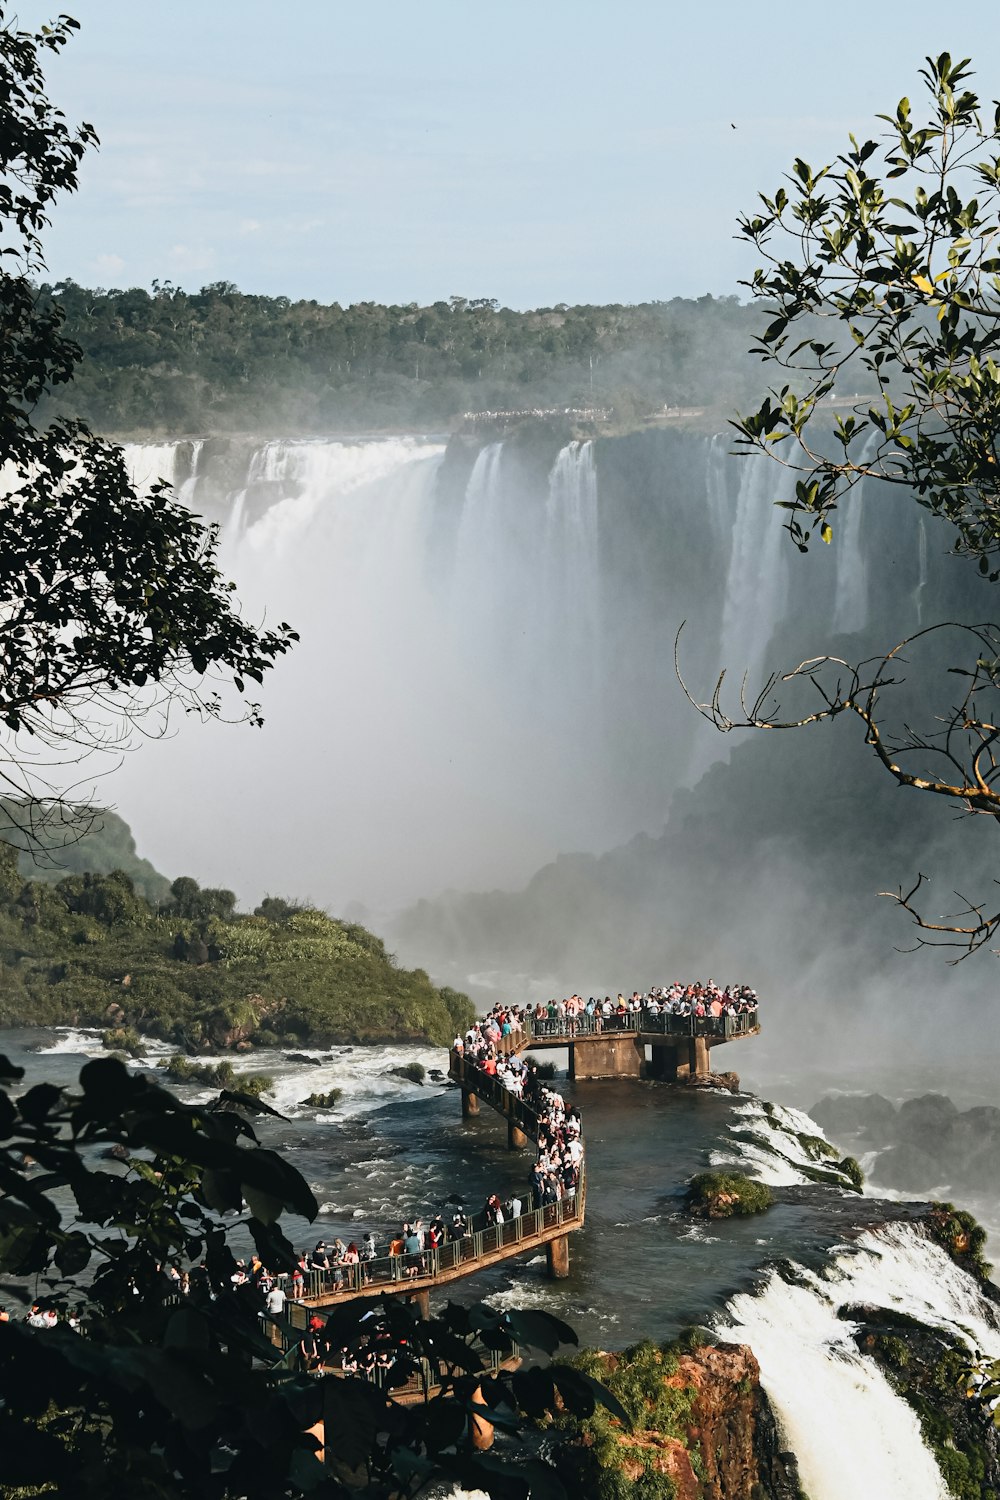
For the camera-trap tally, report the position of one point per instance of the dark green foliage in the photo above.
(962, 1237)
(545, 1069)
(156, 362)
(894, 244)
(91, 950)
(852, 1171)
(720, 1195)
(186, 1398)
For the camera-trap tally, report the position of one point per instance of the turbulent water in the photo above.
(642, 1268)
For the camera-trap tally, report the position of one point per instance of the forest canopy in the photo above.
(91, 949)
(173, 362)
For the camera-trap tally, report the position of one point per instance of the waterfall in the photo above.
(850, 605)
(484, 675)
(922, 570)
(571, 582)
(757, 580)
(851, 1433)
(148, 462)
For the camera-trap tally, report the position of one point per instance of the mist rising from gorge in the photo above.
(484, 700)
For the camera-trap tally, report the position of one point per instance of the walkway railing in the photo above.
(485, 1086)
(397, 1272)
(566, 1029)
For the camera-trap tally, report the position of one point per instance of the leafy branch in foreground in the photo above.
(101, 1193)
(959, 759)
(896, 244)
(112, 605)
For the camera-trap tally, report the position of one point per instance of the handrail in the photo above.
(662, 1023)
(399, 1272)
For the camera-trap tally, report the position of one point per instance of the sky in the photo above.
(577, 151)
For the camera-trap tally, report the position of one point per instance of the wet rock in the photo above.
(907, 1168)
(871, 1116)
(926, 1122)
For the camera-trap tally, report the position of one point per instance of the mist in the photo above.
(483, 701)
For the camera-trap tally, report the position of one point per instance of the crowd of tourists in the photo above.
(702, 1000)
(486, 1046)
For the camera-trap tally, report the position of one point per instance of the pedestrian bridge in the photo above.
(544, 1228)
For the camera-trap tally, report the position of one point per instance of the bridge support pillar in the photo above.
(480, 1430)
(557, 1257)
(516, 1138)
(701, 1062)
(470, 1105)
(422, 1302)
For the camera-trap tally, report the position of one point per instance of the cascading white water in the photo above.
(435, 723)
(571, 583)
(483, 679)
(148, 462)
(922, 574)
(850, 603)
(757, 580)
(850, 1431)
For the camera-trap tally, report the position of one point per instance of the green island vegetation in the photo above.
(721, 1195)
(930, 1368)
(181, 1069)
(90, 949)
(962, 1236)
(169, 361)
(329, 1100)
(66, 841)
(616, 1460)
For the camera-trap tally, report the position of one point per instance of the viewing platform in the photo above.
(614, 1046)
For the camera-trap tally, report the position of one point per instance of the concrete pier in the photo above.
(422, 1302)
(516, 1139)
(470, 1105)
(557, 1258)
(611, 1054)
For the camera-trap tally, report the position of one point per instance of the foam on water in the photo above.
(779, 1156)
(85, 1042)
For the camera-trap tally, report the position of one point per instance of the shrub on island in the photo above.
(962, 1237)
(721, 1195)
(323, 1101)
(223, 1075)
(414, 1072)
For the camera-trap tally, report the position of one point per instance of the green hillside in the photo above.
(219, 360)
(91, 950)
(59, 848)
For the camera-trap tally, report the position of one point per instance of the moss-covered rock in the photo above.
(329, 1100)
(413, 1072)
(962, 1236)
(699, 1427)
(721, 1195)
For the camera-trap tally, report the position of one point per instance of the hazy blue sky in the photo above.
(554, 151)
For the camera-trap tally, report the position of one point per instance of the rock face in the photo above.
(927, 1141)
(733, 1451)
(722, 1443)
